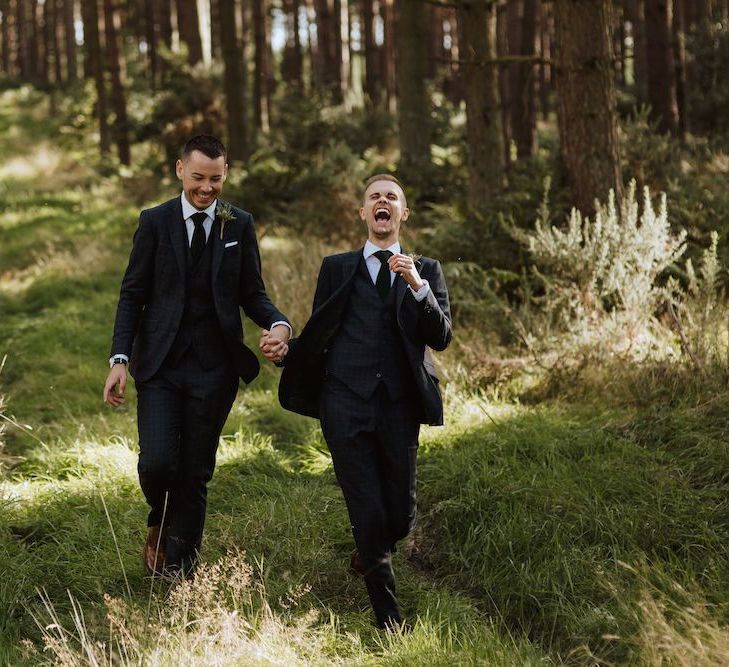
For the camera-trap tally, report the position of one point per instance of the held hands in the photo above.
(274, 343)
(116, 383)
(405, 266)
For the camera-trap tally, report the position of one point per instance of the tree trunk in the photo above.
(50, 10)
(95, 64)
(69, 38)
(635, 11)
(343, 53)
(413, 105)
(188, 25)
(679, 48)
(21, 40)
(545, 69)
(118, 97)
(163, 17)
(586, 103)
(215, 37)
(5, 37)
(260, 83)
(371, 54)
(389, 75)
(454, 84)
(508, 43)
(329, 47)
(291, 67)
(150, 35)
(233, 81)
(661, 68)
(524, 110)
(484, 134)
(36, 43)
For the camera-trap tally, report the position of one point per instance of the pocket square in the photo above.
(230, 244)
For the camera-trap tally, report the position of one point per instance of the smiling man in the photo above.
(363, 367)
(194, 263)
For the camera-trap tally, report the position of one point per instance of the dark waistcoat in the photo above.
(368, 349)
(199, 327)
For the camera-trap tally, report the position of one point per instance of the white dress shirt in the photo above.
(373, 266)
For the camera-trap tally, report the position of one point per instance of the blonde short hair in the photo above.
(385, 177)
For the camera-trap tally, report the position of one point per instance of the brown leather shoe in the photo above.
(355, 564)
(153, 554)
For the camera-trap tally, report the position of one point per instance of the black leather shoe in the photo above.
(355, 565)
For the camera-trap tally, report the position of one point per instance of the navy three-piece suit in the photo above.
(363, 366)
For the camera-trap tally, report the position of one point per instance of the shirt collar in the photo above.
(370, 248)
(188, 209)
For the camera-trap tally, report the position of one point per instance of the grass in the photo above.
(586, 525)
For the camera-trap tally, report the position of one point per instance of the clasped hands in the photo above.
(274, 343)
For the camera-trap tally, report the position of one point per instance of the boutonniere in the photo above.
(414, 256)
(225, 214)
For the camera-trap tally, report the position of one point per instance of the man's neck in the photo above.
(383, 244)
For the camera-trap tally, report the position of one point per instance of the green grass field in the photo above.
(589, 527)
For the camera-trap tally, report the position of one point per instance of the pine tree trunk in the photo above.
(163, 17)
(118, 97)
(260, 82)
(188, 24)
(661, 68)
(36, 43)
(51, 15)
(235, 98)
(679, 47)
(371, 54)
(454, 84)
(484, 134)
(22, 40)
(389, 75)
(291, 61)
(524, 110)
(215, 36)
(5, 37)
(635, 10)
(413, 105)
(69, 37)
(342, 31)
(150, 35)
(546, 70)
(95, 65)
(586, 102)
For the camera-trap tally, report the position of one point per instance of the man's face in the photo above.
(202, 178)
(383, 209)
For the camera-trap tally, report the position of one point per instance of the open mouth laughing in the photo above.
(382, 214)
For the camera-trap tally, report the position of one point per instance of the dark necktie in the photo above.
(198, 237)
(383, 275)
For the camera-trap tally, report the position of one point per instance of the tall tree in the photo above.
(635, 13)
(327, 39)
(484, 134)
(95, 65)
(51, 25)
(188, 25)
(69, 37)
(150, 37)
(679, 48)
(292, 60)
(371, 53)
(661, 67)
(343, 48)
(233, 82)
(523, 108)
(118, 96)
(260, 82)
(587, 114)
(413, 106)
(215, 33)
(35, 44)
(22, 40)
(5, 36)
(387, 7)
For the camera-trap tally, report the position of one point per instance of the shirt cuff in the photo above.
(422, 292)
(120, 356)
(286, 324)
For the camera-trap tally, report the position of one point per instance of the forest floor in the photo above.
(590, 525)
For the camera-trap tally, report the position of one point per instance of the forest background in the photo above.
(566, 161)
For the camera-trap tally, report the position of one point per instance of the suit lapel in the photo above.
(178, 235)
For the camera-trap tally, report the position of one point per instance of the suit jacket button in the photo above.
(378, 375)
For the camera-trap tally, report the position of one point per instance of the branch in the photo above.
(684, 340)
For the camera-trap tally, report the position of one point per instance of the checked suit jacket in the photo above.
(421, 325)
(152, 296)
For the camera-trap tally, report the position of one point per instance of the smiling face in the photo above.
(383, 210)
(202, 178)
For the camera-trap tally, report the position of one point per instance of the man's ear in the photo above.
(405, 214)
(179, 169)
(362, 214)
(225, 171)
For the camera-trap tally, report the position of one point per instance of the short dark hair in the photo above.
(385, 177)
(206, 144)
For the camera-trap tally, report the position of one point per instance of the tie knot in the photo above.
(199, 217)
(383, 256)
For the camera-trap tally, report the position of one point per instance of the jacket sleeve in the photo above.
(251, 290)
(135, 287)
(434, 312)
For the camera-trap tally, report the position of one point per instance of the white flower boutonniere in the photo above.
(225, 214)
(414, 256)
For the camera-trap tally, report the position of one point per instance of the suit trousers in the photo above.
(181, 412)
(374, 446)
